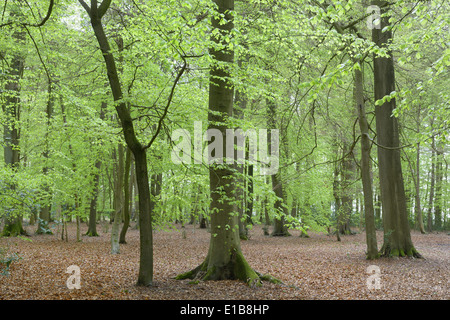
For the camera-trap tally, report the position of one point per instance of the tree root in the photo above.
(237, 269)
(387, 251)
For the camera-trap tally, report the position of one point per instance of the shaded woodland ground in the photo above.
(318, 267)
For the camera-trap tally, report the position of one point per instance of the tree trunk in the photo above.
(126, 202)
(366, 171)
(397, 237)
(118, 198)
(44, 214)
(432, 182)
(224, 259)
(145, 219)
(346, 207)
(337, 199)
(92, 227)
(145, 276)
(438, 188)
(11, 111)
(249, 197)
(279, 227)
(155, 191)
(418, 207)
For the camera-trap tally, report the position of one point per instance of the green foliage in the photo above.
(6, 259)
(286, 52)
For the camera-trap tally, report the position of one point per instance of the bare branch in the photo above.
(85, 6)
(103, 8)
(47, 16)
(169, 100)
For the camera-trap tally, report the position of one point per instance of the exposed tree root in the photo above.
(237, 269)
(387, 251)
(13, 230)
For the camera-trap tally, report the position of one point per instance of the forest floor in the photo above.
(315, 268)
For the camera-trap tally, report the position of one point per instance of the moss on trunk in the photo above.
(236, 269)
(13, 229)
(390, 251)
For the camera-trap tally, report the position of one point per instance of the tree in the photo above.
(224, 259)
(92, 226)
(11, 109)
(126, 197)
(397, 238)
(96, 13)
(366, 172)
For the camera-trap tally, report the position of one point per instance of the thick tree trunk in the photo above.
(366, 171)
(224, 259)
(397, 238)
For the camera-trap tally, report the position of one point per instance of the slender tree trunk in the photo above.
(249, 203)
(397, 237)
(337, 199)
(92, 227)
(418, 207)
(11, 111)
(432, 182)
(346, 208)
(241, 102)
(145, 276)
(44, 214)
(266, 213)
(279, 227)
(439, 187)
(118, 199)
(155, 191)
(366, 171)
(126, 202)
(77, 217)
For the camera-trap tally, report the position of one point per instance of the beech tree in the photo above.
(96, 12)
(224, 259)
(113, 75)
(397, 237)
(11, 109)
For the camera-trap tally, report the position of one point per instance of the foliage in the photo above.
(298, 54)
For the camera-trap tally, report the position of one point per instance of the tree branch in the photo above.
(85, 6)
(49, 13)
(40, 24)
(161, 119)
(103, 8)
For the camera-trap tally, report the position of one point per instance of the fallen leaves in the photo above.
(311, 268)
